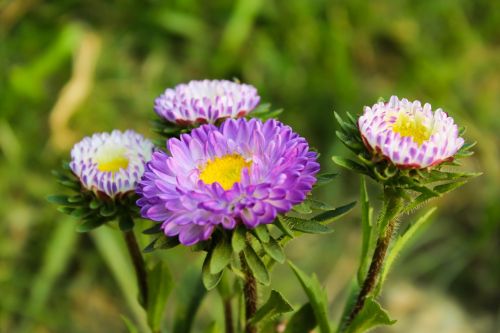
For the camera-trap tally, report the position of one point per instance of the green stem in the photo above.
(392, 207)
(139, 266)
(250, 293)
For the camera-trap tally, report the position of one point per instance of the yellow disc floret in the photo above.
(413, 127)
(225, 170)
(112, 160)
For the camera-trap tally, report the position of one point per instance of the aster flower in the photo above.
(244, 172)
(111, 163)
(408, 134)
(207, 101)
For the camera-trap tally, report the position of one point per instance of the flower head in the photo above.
(111, 163)
(408, 134)
(245, 171)
(206, 101)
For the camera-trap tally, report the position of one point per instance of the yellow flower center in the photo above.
(225, 170)
(112, 160)
(413, 127)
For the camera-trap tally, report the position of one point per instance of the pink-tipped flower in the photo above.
(408, 134)
(207, 101)
(111, 163)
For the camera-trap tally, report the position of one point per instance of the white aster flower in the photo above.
(207, 101)
(408, 134)
(112, 163)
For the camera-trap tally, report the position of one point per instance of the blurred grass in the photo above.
(310, 57)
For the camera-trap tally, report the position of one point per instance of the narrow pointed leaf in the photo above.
(262, 233)
(274, 306)
(317, 297)
(306, 226)
(372, 315)
(302, 321)
(403, 240)
(349, 164)
(189, 294)
(160, 284)
(325, 178)
(333, 215)
(367, 228)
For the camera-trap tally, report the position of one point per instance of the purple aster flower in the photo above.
(408, 134)
(112, 163)
(245, 172)
(206, 101)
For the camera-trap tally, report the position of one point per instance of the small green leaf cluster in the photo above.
(93, 209)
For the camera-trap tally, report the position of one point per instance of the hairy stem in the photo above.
(139, 265)
(392, 207)
(250, 294)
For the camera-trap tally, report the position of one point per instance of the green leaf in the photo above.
(372, 315)
(131, 328)
(333, 215)
(307, 226)
(210, 281)
(262, 233)
(325, 178)
(368, 232)
(274, 250)
(316, 295)
(221, 255)
(274, 306)
(349, 164)
(256, 265)
(302, 321)
(160, 284)
(402, 241)
(319, 205)
(189, 295)
(238, 239)
(162, 243)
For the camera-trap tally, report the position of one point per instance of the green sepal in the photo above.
(302, 208)
(274, 306)
(155, 229)
(162, 243)
(256, 265)
(88, 225)
(210, 281)
(221, 255)
(238, 239)
(350, 164)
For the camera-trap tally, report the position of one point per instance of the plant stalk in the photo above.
(139, 266)
(392, 206)
(228, 316)
(373, 273)
(250, 294)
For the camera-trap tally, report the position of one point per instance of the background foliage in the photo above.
(70, 68)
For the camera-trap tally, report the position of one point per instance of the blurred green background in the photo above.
(71, 68)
